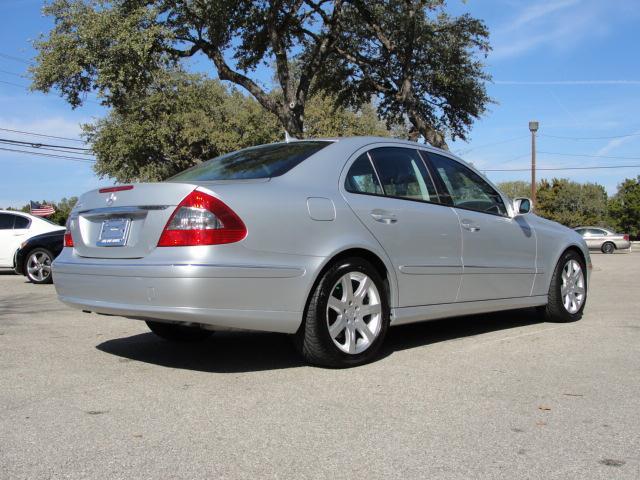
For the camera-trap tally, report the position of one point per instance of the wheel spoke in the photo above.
(362, 290)
(364, 330)
(370, 310)
(350, 333)
(338, 326)
(579, 290)
(337, 304)
(347, 288)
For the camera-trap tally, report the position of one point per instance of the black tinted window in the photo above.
(403, 174)
(362, 178)
(265, 161)
(467, 189)
(6, 221)
(21, 222)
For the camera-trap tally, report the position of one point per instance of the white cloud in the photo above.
(618, 142)
(556, 25)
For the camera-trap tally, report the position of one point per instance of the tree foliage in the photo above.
(420, 62)
(624, 207)
(183, 119)
(516, 188)
(572, 203)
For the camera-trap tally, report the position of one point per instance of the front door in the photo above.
(392, 193)
(499, 251)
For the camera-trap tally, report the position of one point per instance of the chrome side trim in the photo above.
(431, 269)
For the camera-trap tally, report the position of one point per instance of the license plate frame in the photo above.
(114, 232)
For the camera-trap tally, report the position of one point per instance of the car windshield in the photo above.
(265, 161)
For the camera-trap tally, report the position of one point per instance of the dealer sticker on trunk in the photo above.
(114, 232)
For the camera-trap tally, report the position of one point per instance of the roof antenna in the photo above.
(289, 138)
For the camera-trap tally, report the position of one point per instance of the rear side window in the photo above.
(265, 161)
(467, 189)
(362, 178)
(6, 221)
(21, 222)
(403, 174)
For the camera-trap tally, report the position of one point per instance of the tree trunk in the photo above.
(292, 120)
(431, 135)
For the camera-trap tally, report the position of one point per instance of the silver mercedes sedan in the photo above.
(332, 241)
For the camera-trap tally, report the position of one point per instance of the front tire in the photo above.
(568, 290)
(347, 316)
(37, 266)
(178, 333)
(608, 247)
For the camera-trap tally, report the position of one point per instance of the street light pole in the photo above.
(533, 128)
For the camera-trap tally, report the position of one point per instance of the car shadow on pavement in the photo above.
(234, 352)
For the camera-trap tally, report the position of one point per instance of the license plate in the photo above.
(114, 232)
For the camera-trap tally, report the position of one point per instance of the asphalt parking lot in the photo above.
(492, 396)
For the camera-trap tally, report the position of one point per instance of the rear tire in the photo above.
(37, 266)
(178, 333)
(347, 316)
(608, 247)
(565, 304)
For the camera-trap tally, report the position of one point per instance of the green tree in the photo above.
(516, 188)
(572, 203)
(624, 207)
(184, 119)
(420, 62)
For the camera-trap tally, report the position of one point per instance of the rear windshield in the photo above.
(265, 161)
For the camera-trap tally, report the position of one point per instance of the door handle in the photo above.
(384, 216)
(468, 225)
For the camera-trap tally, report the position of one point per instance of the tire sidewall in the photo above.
(49, 279)
(328, 281)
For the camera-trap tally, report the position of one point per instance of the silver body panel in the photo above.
(297, 223)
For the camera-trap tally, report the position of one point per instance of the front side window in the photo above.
(6, 221)
(403, 174)
(362, 178)
(265, 161)
(467, 189)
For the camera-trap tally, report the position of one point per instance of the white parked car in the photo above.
(16, 228)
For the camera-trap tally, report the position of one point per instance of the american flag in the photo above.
(41, 209)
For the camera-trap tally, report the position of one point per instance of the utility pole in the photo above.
(533, 128)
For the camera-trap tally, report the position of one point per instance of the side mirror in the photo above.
(522, 206)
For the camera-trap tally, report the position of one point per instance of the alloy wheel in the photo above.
(39, 266)
(572, 289)
(354, 313)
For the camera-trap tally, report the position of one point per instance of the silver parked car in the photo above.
(332, 241)
(603, 239)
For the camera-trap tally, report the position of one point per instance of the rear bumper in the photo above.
(255, 297)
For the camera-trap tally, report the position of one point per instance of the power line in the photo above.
(589, 156)
(15, 59)
(39, 145)
(85, 156)
(34, 134)
(86, 100)
(557, 168)
(64, 157)
(7, 72)
(591, 138)
(467, 150)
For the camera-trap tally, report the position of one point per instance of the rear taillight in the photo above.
(201, 219)
(116, 189)
(626, 237)
(68, 238)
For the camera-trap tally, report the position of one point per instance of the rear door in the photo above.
(499, 251)
(392, 193)
(7, 240)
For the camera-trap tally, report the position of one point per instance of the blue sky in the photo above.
(570, 64)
